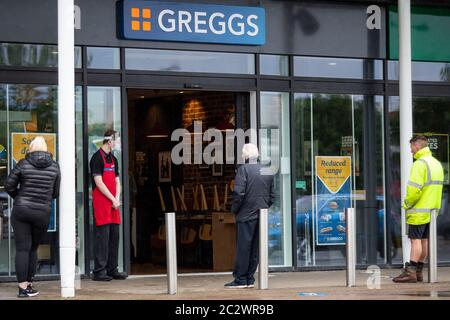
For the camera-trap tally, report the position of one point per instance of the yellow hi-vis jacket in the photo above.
(424, 189)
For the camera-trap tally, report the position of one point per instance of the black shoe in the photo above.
(118, 275)
(22, 293)
(101, 277)
(250, 284)
(31, 292)
(235, 285)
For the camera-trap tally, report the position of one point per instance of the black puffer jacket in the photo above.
(253, 190)
(34, 181)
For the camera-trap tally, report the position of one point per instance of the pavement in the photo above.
(311, 285)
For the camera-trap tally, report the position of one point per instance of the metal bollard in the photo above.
(432, 249)
(171, 253)
(263, 250)
(351, 246)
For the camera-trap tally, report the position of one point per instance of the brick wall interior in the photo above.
(211, 109)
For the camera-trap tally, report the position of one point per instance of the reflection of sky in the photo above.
(421, 71)
(189, 61)
(98, 108)
(337, 68)
(103, 58)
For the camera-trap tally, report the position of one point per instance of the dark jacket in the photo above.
(34, 181)
(252, 191)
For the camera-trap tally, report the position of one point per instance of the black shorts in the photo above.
(420, 231)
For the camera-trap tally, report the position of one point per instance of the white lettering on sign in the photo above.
(433, 143)
(198, 22)
(171, 21)
(374, 20)
(253, 25)
(184, 17)
(239, 24)
(222, 25)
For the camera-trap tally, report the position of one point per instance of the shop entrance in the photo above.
(199, 194)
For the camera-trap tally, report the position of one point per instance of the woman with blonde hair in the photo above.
(33, 184)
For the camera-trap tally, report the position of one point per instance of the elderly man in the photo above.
(423, 194)
(253, 190)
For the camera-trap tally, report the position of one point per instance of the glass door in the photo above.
(339, 163)
(274, 142)
(103, 113)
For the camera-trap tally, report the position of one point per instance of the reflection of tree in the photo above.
(28, 55)
(445, 72)
(333, 120)
(24, 97)
(39, 100)
(90, 58)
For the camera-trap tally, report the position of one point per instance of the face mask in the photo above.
(117, 145)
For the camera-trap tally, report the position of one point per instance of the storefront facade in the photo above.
(323, 74)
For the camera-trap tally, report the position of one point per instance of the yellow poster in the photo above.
(333, 171)
(21, 141)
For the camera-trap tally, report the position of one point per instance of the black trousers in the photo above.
(247, 251)
(106, 247)
(30, 227)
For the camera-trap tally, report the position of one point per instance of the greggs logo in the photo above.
(141, 19)
(170, 21)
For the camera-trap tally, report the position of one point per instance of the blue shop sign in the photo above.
(188, 22)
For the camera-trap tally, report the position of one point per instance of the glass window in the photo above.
(103, 58)
(189, 61)
(104, 113)
(33, 55)
(77, 58)
(431, 116)
(422, 71)
(274, 65)
(338, 68)
(79, 160)
(275, 153)
(26, 111)
(31, 110)
(4, 199)
(336, 125)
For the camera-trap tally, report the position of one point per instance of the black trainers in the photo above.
(22, 293)
(235, 285)
(25, 293)
(31, 292)
(118, 275)
(250, 284)
(101, 277)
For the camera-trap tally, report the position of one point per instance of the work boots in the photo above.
(409, 274)
(419, 272)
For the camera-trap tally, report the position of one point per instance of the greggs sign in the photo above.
(187, 22)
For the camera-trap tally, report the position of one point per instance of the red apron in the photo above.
(103, 210)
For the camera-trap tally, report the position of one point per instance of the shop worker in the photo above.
(423, 194)
(253, 190)
(106, 205)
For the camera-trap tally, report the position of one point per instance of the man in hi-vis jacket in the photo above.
(423, 194)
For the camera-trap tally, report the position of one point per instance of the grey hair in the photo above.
(250, 151)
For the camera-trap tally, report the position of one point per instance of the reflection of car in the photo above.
(304, 222)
